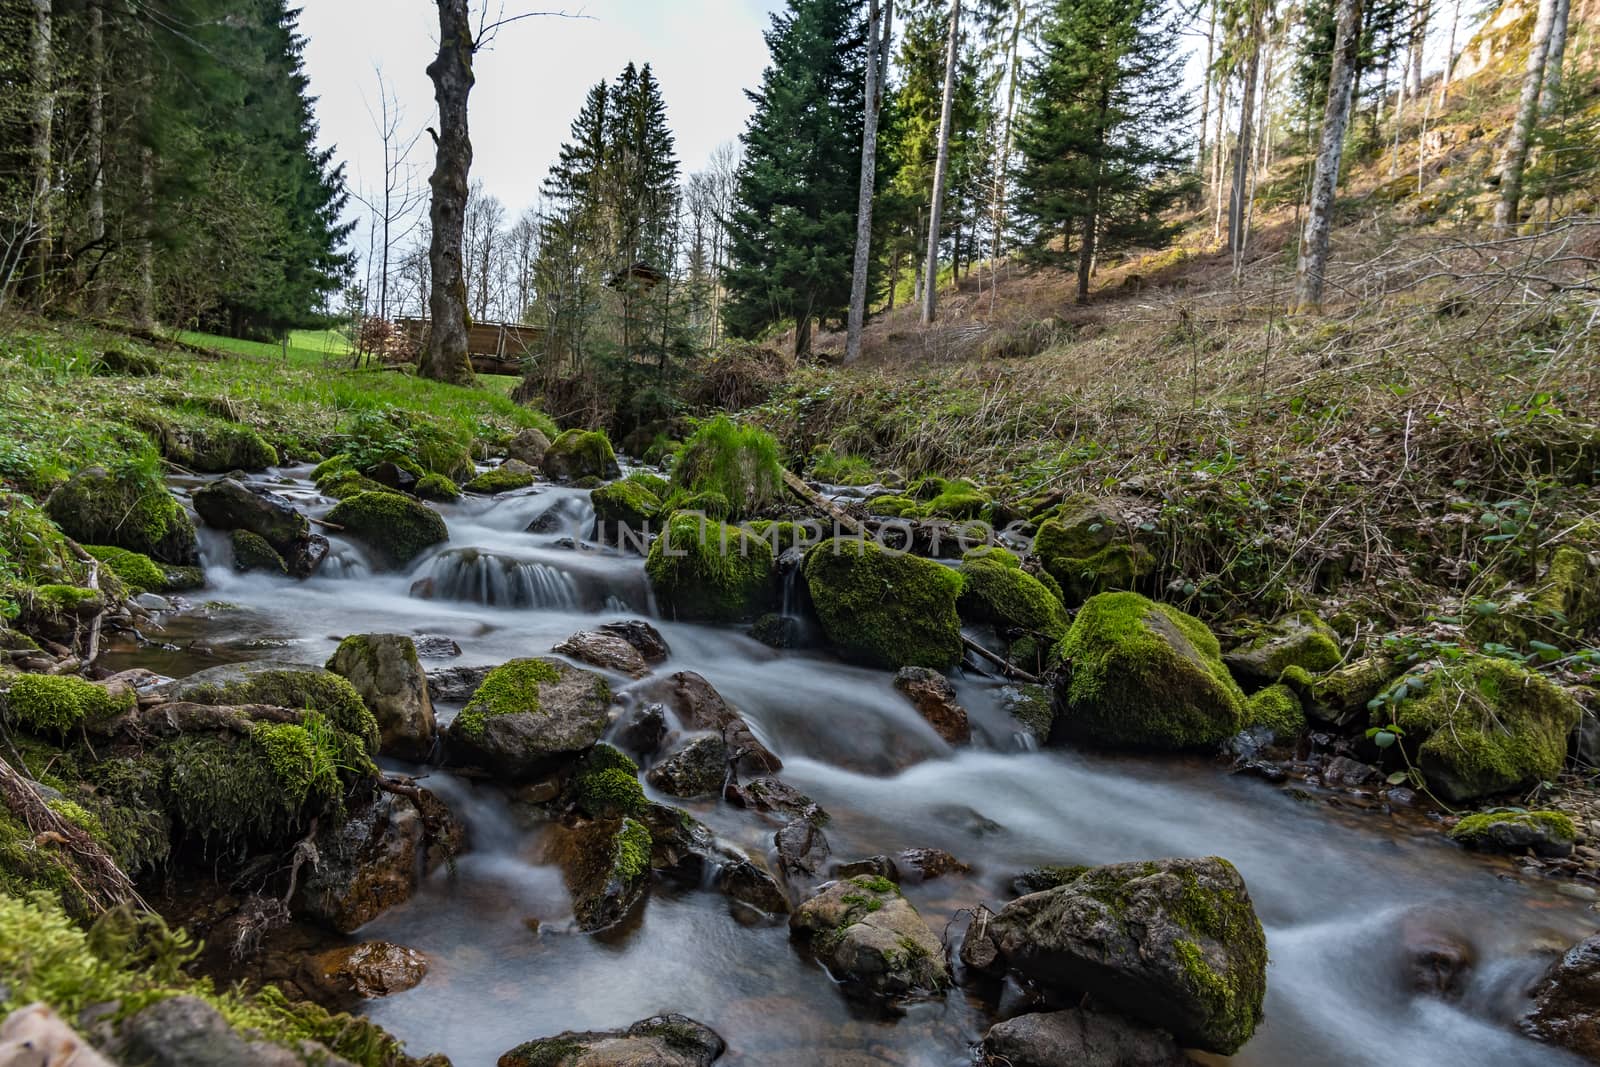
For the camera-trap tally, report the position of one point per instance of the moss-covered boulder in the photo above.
(626, 503)
(704, 571)
(1299, 639)
(1174, 943)
(580, 454)
(57, 611)
(128, 508)
(1087, 548)
(1548, 833)
(141, 574)
(527, 716)
(219, 447)
(229, 505)
(284, 685)
(396, 527)
(738, 463)
(512, 474)
(1146, 675)
(1479, 725)
(997, 590)
(659, 1041)
(385, 671)
(1278, 709)
(1341, 696)
(871, 938)
(251, 552)
(438, 488)
(52, 705)
(606, 866)
(883, 608)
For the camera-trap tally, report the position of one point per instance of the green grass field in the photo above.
(306, 347)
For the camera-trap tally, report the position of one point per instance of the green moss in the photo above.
(739, 463)
(338, 463)
(53, 704)
(876, 883)
(656, 484)
(885, 609)
(1277, 708)
(224, 791)
(705, 571)
(1146, 674)
(499, 480)
(32, 549)
(83, 819)
(893, 506)
(633, 847)
(782, 536)
(712, 505)
(251, 552)
(1482, 725)
(308, 689)
(998, 591)
(218, 447)
(1115, 567)
(835, 469)
(509, 689)
(580, 454)
(1299, 639)
(960, 499)
(128, 507)
(1554, 826)
(610, 792)
(348, 483)
(58, 606)
(438, 488)
(628, 503)
(138, 571)
(397, 527)
(301, 757)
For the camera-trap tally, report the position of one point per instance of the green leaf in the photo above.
(1398, 778)
(1383, 738)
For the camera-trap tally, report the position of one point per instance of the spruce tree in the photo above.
(1102, 156)
(792, 233)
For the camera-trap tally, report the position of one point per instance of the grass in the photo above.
(306, 347)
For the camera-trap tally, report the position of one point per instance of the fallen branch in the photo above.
(179, 716)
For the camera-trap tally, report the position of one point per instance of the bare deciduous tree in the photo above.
(1313, 260)
(1515, 158)
(877, 52)
(941, 166)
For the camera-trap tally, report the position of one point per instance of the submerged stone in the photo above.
(660, 1041)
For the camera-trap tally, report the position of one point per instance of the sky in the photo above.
(532, 81)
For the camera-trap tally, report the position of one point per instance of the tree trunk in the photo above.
(941, 166)
(894, 276)
(1516, 154)
(97, 141)
(1419, 37)
(144, 300)
(1003, 163)
(802, 336)
(1217, 156)
(446, 358)
(1557, 52)
(1313, 260)
(1449, 53)
(1205, 87)
(1241, 159)
(42, 79)
(869, 172)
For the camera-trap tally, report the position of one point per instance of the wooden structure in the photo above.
(495, 347)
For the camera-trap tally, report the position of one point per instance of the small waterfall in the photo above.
(483, 578)
(344, 562)
(617, 605)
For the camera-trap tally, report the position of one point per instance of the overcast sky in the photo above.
(531, 83)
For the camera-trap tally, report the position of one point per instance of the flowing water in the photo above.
(1332, 888)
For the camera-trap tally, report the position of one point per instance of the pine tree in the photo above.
(792, 233)
(1101, 152)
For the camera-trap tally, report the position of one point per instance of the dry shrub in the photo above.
(738, 375)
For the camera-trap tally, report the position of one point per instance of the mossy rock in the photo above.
(58, 611)
(580, 454)
(142, 574)
(395, 526)
(653, 482)
(1564, 602)
(1114, 568)
(529, 714)
(1479, 725)
(510, 475)
(1146, 675)
(1299, 639)
(605, 784)
(997, 590)
(216, 448)
(283, 685)
(438, 488)
(883, 608)
(125, 361)
(628, 503)
(957, 499)
(345, 484)
(893, 506)
(711, 505)
(1548, 833)
(1278, 709)
(1341, 696)
(704, 571)
(1086, 549)
(251, 552)
(738, 463)
(128, 508)
(54, 704)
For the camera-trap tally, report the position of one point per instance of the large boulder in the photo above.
(580, 454)
(1566, 1006)
(1144, 674)
(1079, 1038)
(704, 571)
(396, 527)
(282, 684)
(1298, 639)
(883, 608)
(1480, 725)
(625, 503)
(1087, 549)
(660, 1041)
(527, 715)
(995, 589)
(512, 474)
(384, 670)
(229, 505)
(1174, 943)
(871, 938)
(129, 509)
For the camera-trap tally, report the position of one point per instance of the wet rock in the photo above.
(917, 626)
(870, 937)
(128, 509)
(368, 970)
(642, 636)
(931, 693)
(1174, 943)
(776, 797)
(35, 1036)
(606, 651)
(187, 1032)
(306, 556)
(922, 864)
(1298, 639)
(1033, 708)
(391, 475)
(969, 821)
(579, 454)
(529, 446)
(253, 553)
(698, 706)
(698, 768)
(436, 646)
(606, 865)
(979, 952)
(1437, 960)
(376, 857)
(455, 685)
(526, 715)
(1343, 771)
(778, 631)
(686, 850)
(660, 1041)
(802, 852)
(1545, 833)
(879, 866)
(1080, 1038)
(396, 527)
(229, 505)
(384, 669)
(642, 730)
(1566, 1006)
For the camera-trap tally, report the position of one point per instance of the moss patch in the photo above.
(997, 590)
(251, 552)
(885, 609)
(580, 454)
(396, 527)
(499, 480)
(1277, 708)
(627, 502)
(53, 704)
(703, 570)
(509, 689)
(128, 507)
(438, 488)
(738, 463)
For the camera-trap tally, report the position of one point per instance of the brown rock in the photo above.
(1566, 1008)
(1080, 1038)
(935, 700)
(699, 706)
(1437, 959)
(642, 636)
(370, 969)
(606, 651)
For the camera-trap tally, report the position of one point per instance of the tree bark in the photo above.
(1218, 143)
(1557, 53)
(1241, 160)
(869, 172)
(1205, 87)
(941, 167)
(42, 79)
(1313, 260)
(1419, 37)
(1516, 153)
(1003, 163)
(97, 139)
(446, 358)
(1449, 53)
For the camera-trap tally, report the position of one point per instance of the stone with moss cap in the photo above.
(385, 671)
(281, 684)
(251, 552)
(997, 590)
(580, 454)
(704, 571)
(1144, 674)
(1174, 942)
(512, 474)
(527, 716)
(1085, 546)
(882, 608)
(738, 463)
(1549, 833)
(53, 704)
(218, 447)
(1278, 709)
(606, 866)
(396, 527)
(870, 937)
(659, 1041)
(438, 488)
(226, 504)
(624, 503)
(143, 574)
(1299, 639)
(1481, 725)
(129, 508)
